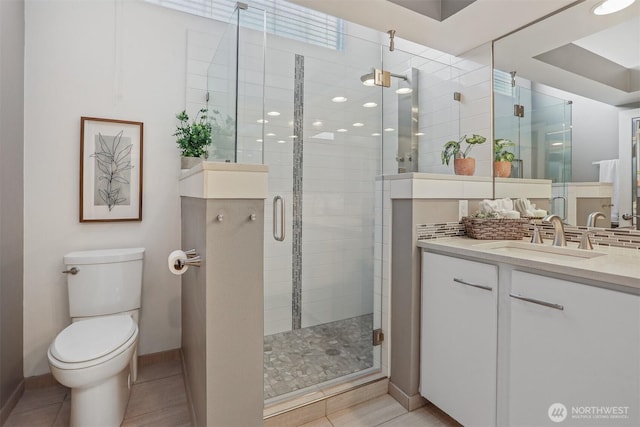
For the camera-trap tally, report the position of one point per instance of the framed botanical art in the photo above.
(110, 170)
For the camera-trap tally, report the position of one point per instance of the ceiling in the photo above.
(574, 50)
(479, 22)
(597, 59)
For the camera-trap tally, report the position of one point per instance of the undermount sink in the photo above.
(524, 249)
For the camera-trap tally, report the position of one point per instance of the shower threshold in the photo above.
(302, 361)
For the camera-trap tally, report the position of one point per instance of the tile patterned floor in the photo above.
(304, 357)
(157, 399)
(384, 411)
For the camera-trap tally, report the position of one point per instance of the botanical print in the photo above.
(112, 170)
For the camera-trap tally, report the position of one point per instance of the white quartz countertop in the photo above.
(617, 266)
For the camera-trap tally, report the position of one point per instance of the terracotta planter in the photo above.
(464, 166)
(502, 169)
(189, 162)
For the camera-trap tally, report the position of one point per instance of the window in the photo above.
(502, 82)
(283, 19)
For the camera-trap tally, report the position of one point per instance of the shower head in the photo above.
(367, 79)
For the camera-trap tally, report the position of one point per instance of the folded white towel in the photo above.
(496, 206)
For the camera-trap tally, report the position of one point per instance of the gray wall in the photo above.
(11, 196)
(223, 311)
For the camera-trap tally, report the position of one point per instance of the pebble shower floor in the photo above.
(304, 357)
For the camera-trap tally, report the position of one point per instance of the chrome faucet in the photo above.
(558, 229)
(593, 218)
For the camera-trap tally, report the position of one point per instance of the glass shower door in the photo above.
(540, 126)
(322, 143)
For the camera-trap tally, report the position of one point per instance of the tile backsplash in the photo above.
(624, 238)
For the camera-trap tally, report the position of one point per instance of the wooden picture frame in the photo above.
(110, 170)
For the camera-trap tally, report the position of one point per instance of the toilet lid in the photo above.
(93, 338)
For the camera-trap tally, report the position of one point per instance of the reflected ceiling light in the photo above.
(341, 130)
(389, 129)
(555, 144)
(339, 99)
(262, 121)
(282, 141)
(293, 136)
(367, 79)
(317, 123)
(611, 6)
(369, 105)
(420, 134)
(375, 134)
(271, 134)
(404, 90)
(403, 86)
(358, 125)
(273, 113)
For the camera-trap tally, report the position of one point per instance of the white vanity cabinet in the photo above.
(459, 337)
(572, 344)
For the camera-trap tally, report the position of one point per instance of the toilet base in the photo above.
(102, 404)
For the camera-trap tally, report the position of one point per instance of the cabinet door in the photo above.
(582, 356)
(458, 338)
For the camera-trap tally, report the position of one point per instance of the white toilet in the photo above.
(96, 355)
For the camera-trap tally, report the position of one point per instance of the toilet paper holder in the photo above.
(193, 259)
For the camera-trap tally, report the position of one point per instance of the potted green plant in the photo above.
(462, 163)
(502, 157)
(193, 137)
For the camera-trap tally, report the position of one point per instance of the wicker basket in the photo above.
(495, 228)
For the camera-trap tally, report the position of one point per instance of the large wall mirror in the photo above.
(567, 93)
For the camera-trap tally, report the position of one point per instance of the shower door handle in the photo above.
(278, 236)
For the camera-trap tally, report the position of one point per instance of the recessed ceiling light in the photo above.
(369, 105)
(404, 90)
(293, 136)
(317, 123)
(339, 99)
(282, 141)
(420, 134)
(273, 113)
(262, 121)
(375, 134)
(358, 125)
(611, 6)
(555, 144)
(258, 140)
(271, 134)
(389, 129)
(341, 130)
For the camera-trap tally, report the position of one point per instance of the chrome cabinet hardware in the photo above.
(486, 288)
(73, 271)
(537, 301)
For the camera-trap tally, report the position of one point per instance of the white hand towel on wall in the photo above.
(609, 173)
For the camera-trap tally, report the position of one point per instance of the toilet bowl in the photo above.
(93, 357)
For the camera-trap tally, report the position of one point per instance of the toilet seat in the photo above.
(93, 341)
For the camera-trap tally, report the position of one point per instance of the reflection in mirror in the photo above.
(559, 92)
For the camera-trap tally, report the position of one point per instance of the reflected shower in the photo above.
(408, 113)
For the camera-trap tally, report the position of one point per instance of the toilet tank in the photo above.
(108, 281)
